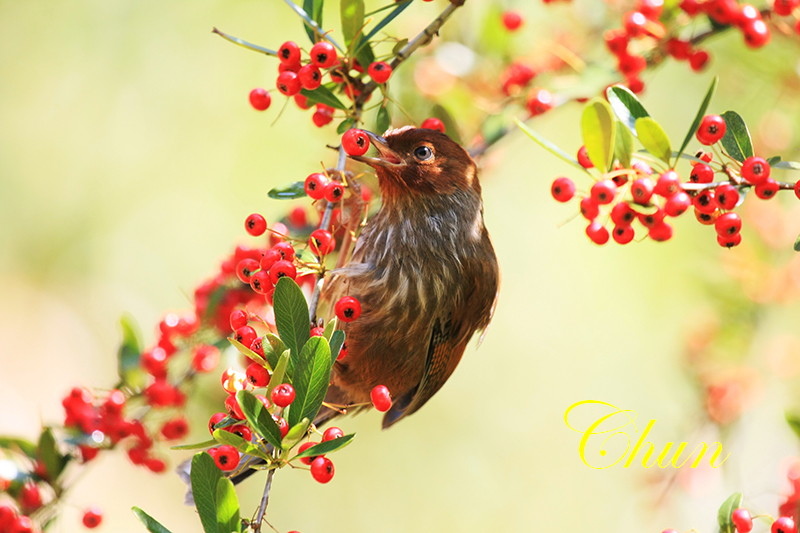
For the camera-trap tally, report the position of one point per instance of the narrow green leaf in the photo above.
(336, 343)
(279, 374)
(247, 352)
(288, 192)
(790, 165)
(277, 347)
(626, 106)
(313, 27)
(547, 145)
(797, 244)
(734, 501)
(653, 138)
(310, 380)
(222, 436)
(450, 124)
(15, 443)
(326, 447)
(195, 446)
(228, 519)
(48, 454)
(364, 54)
(205, 476)
(129, 354)
(698, 117)
(599, 131)
(152, 525)
(314, 10)
(291, 315)
(387, 19)
(623, 148)
(345, 125)
(774, 160)
(295, 434)
(794, 420)
(352, 14)
(383, 120)
(259, 418)
(737, 141)
(323, 95)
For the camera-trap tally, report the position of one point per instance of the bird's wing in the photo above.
(445, 349)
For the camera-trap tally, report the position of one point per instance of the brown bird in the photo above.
(423, 269)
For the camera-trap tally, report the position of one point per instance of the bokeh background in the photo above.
(129, 158)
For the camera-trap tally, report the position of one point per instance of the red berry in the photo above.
(257, 375)
(240, 429)
(303, 447)
(660, 232)
(603, 192)
(8, 516)
(323, 54)
(246, 268)
(784, 524)
(704, 201)
(321, 118)
(315, 185)
(285, 249)
(668, 184)
(269, 258)
(347, 309)
(742, 520)
(784, 8)
(289, 53)
(756, 33)
(677, 204)
(355, 142)
(30, 498)
(238, 318)
(333, 191)
(540, 101)
(701, 173)
(288, 83)
(317, 332)
(379, 71)
(634, 23)
(797, 189)
(321, 242)
(215, 419)
(729, 241)
(322, 469)
(726, 196)
(622, 234)
(583, 158)
(23, 524)
(597, 232)
(728, 224)
(755, 169)
(563, 189)
(245, 335)
(283, 425)
(310, 77)
(642, 190)
(622, 214)
(381, 399)
(698, 60)
(261, 283)
(589, 208)
(432, 123)
(332, 433)
(177, 428)
(260, 99)
(92, 518)
(282, 395)
(226, 457)
(233, 407)
(281, 269)
(651, 219)
(767, 189)
(512, 20)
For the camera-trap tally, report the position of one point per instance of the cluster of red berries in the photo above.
(742, 520)
(297, 73)
(639, 194)
(29, 497)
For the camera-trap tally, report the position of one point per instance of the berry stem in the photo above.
(262, 506)
(245, 44)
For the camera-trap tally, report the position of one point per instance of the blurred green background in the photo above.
(129, 158)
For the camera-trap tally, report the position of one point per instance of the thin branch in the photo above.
(262, 506)
(244, 44)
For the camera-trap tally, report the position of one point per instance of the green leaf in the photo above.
(295, 433)
(277, 347)
(247, 352)
(653, 138)
(450, 124)
(790, 165)
(288, 192)
(794, 420)
(195, 446)
(383, 120)
(152, 525)
(774, 160)
(228, 519)
(129, 354)
(323, 95)
(547, 145)
(737, 140)
(49, 456)
(291, 316)
(701, 111)
(599, 130)
(314, 10)
(336, 343)
(23, 445)
(626, 106)
(222, 436)
(330, 327)
(326, 447)
(733, 502)
(797, 244)
(352, 13)
(205, 476)
(345, 125)
(623, 147)
(311, 377)
(259, 418)
(279, 374)
(386, 20)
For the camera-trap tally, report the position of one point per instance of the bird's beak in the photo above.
(386, 156)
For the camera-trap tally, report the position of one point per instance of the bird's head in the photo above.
(416, 161)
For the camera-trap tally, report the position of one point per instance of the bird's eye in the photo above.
(423, 152)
